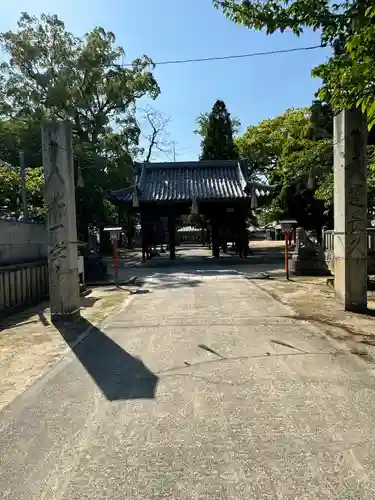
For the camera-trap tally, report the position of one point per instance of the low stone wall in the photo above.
(22, 285)
(330, 262)
(328, 255)
(22, 242)
(328, 239)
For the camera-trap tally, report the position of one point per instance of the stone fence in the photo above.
(23, 265)
(328, 240)
(22, 285)
(22, 242)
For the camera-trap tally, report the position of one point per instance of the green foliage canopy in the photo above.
(285, 152)
(52, 74)
(348, 26)
(349, 77)
(294, 152)
(218, 142)
(203, 121)
(10, 191)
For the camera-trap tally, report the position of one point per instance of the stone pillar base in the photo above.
(62, 318)
(351, 283)
(308, 265)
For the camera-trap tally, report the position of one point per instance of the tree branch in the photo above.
(158, 137)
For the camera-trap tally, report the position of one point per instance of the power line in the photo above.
(235, 56)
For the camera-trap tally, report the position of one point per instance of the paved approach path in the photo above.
(145, 409)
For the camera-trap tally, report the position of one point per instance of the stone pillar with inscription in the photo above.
(61, 220)
(350, 210)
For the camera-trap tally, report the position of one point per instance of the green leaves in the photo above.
(52, 74)
(349, 75)
(262, 146)
(203, 121)
(273, 15)
(284, 153)
(10, 190)
(360, 47)
(286, 150)
(57, 74)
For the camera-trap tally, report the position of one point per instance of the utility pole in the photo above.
(59, 194)
(23, 187)
(174, 151)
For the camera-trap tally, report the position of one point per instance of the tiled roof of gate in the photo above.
(180, 181)
(205, 180)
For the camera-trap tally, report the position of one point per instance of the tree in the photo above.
(294, 152)
(261, 146)
(20, 135)
(321, 120)
(349, 77)
(218, 142)
(284, 151)
(10, 191)
(203, 123)
(155, 133)
(53, 74)
(348, 26)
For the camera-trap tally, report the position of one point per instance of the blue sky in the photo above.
(253, 89)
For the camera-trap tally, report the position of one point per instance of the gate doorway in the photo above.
(216, 193)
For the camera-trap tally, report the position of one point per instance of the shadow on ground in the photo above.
(118, 374)
(26, 317)
(89, 301)
(257, 257)
(37, 314)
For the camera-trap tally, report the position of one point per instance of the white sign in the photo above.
(114, 232)
(287, 225)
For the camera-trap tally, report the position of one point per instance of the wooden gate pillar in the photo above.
(172, 235)
(143, 236)
(215, 238)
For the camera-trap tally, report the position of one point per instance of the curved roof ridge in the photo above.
(190, 164)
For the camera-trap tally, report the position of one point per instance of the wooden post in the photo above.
(143, 237)
(215, 238)
(172, 236)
